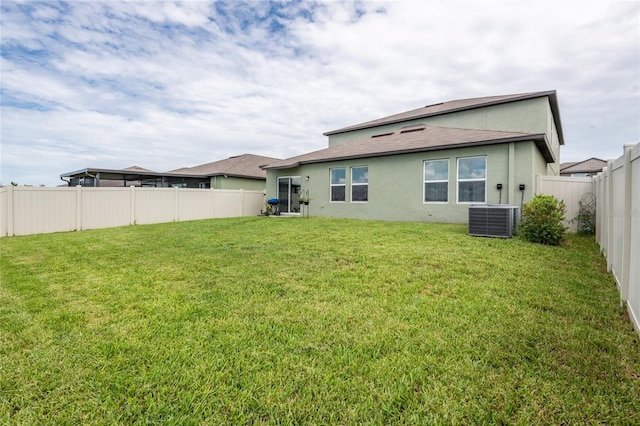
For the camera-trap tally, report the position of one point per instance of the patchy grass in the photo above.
(321, 321)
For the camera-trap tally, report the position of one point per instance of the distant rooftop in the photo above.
(245, 165)
(590, 166)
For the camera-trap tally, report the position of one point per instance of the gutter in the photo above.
(540, 137)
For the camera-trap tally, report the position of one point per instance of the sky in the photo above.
(164, 85)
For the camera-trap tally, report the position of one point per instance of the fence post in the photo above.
(609, 213)
(596, 191)
(132, 200)
(10, 211)
(603, 209)
(79, 208)
(241, 202)
(176, 198)
(626, 226)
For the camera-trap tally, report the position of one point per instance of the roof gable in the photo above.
(412, 139)
(456, 106)
(591, 165)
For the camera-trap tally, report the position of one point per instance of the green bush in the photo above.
(542, 220)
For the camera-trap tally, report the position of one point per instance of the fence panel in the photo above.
(43, 210)
(27, 210)
(567, 189)
(105, 207)
(155, 205)
(253, 203)
(634, 238)
(618, 190)
(4, 212)
(601, 229)
(616, 217)
(194, 204)
(227, 203)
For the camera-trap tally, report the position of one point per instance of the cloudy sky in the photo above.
(162, 85)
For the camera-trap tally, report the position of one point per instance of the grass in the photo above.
(310, 321)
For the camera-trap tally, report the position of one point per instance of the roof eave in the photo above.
(236, 175)
(540, 140)
(90, 171)
(282, 166)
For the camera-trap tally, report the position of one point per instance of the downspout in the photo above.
(68, 181)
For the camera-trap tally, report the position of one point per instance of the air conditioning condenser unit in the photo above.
(493, 220)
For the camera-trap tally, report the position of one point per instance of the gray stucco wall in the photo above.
(528, 116)
(396, 183)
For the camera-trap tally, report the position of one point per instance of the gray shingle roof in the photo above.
(592, 165)
(459, 105)
(246, 165)
(410, 140)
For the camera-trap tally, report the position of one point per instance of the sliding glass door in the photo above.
(289, 194)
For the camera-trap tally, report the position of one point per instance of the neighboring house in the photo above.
(238, 172)
(586, 168)
(428, 164)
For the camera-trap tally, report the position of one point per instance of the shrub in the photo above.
(542, 220)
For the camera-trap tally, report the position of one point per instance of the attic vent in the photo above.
(419, 129)
(382, 134)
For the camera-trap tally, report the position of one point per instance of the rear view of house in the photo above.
(428, 164)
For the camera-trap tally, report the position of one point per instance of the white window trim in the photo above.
(458, 180)
(331, 185)
(424, 180)
(358, 184)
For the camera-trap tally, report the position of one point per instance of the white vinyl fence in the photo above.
(567, 189)
(30, 210)
(618, 225)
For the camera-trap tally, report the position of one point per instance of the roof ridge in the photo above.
(441, 109)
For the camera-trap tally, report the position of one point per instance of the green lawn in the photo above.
(310, 321)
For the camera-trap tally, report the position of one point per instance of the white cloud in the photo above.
(170, 84)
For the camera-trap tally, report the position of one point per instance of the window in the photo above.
(436, 181)
(472, 179)
(360, 184)
(338, 185)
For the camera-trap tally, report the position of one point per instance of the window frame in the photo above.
(425, 181)
(484, 179)
(332, 185)
(359, 184)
